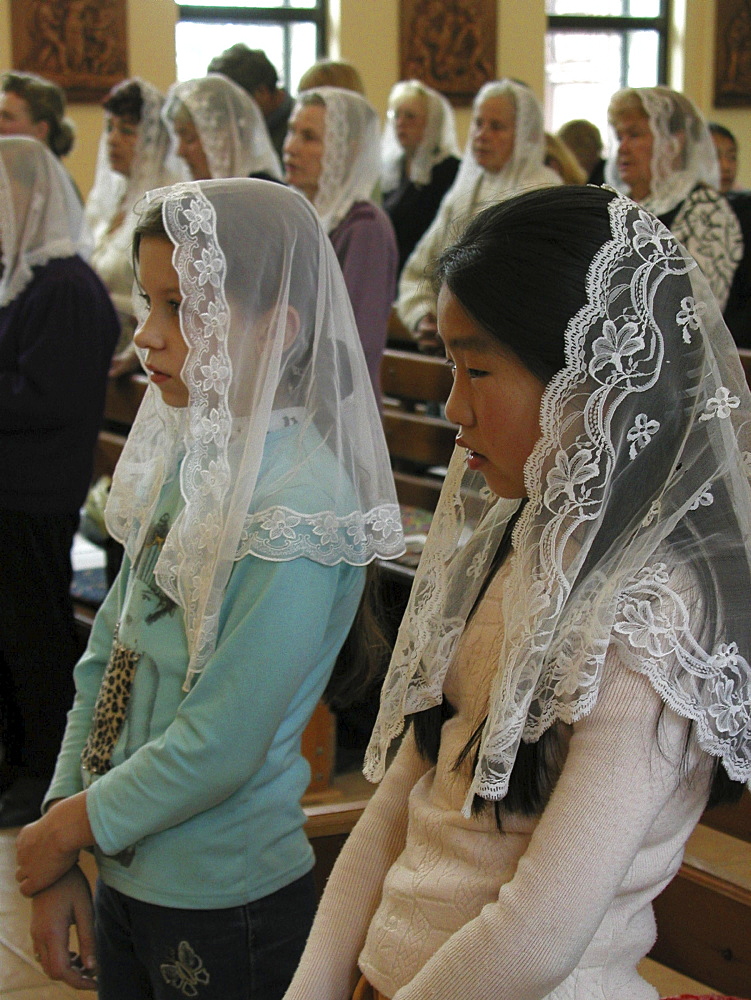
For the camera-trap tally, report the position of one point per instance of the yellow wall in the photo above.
(367, 33)
(151, 54)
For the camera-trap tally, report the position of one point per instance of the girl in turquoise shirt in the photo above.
(253, 490)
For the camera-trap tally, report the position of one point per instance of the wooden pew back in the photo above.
(420, 443)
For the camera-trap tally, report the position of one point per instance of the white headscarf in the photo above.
(229, 123)
(153, 165)
(41, 216)
(438, 141)
(351, 163)
(526, 165)
(683, 153)
(280, 452)
(636, 528)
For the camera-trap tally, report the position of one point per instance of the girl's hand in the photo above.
(47, 849)
(53, 912)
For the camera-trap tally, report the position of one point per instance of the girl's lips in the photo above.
(475, 459)
(157, 377)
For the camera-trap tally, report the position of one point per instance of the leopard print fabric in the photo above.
(110, 708)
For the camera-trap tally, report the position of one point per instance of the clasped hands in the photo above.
(48, 848)
(47, 852)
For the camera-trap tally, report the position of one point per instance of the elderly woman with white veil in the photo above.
(219, 130)
(419, 157)
(665, 159)
(253, 491)
(57, 333)
(505, 154)
(332, 155)
(134, 157)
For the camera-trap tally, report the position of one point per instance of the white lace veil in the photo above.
(437, 143)
(351, 163)
(636, 530)
(154, 165)
(526, 165)
(683, 153)
(229, 123)
(280, 451)
(41, 216)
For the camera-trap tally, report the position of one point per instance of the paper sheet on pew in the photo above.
(416, 543)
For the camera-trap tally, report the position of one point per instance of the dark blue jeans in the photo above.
(250, 952)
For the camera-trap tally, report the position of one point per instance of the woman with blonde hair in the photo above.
(665, 159)
(560, 158)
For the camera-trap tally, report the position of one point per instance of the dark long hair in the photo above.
(519, 270)
(125, 100)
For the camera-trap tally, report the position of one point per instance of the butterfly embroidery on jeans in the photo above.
(186, 971)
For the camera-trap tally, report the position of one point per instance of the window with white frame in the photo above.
(595, 47)
(292, 33)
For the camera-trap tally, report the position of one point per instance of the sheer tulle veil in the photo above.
(280, 452)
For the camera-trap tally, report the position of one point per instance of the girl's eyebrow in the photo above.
(470, 343)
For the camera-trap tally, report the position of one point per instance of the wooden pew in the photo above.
(121, 404)
(420, 444)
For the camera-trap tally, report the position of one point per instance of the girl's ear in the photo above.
(292, 328)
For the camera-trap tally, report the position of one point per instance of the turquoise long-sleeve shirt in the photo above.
(206, 785)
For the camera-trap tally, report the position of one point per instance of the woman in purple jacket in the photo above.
(332, 155)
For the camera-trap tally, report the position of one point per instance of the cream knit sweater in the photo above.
(436, 907)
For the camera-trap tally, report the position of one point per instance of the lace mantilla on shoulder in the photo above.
(280, 451)
(639, 464)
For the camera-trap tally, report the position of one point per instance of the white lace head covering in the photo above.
(683, 153)
(438, 141)
(41, 216)
(351, 162)
(229, 123)
(153, 165)
(526, 165)
(280, 450)
(636, 527)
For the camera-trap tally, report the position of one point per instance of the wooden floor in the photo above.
(22, 979)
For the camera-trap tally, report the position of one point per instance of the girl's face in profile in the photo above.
(160, 336)
(495, 400)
